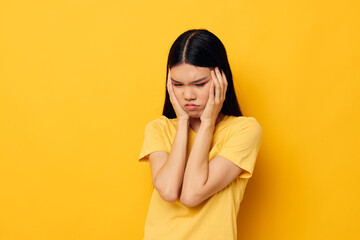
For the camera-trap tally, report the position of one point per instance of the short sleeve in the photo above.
(242, 145)
(153, 140)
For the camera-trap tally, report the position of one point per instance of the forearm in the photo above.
(197, 167)
(170, 176)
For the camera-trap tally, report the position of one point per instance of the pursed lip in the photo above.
(191, 107)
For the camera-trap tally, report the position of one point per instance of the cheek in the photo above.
(206, 93)
(177, 93)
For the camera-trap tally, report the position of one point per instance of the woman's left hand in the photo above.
(216, 97)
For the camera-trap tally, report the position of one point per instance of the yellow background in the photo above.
(79, 80)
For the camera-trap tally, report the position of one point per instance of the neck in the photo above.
(195, 122)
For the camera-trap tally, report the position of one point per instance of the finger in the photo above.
(170, 87)
(170, 83)
(211, 95)
(167, 83)
(221, 83)
(213, 77)
(212, 88)
(225, 83)
(217, 87)
(174, 100)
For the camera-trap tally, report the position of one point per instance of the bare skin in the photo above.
(198, 179)
(211, 112)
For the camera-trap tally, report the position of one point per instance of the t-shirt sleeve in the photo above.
(243, 145)
(153, 140)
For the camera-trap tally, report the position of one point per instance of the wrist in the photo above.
(183, 118)
(207, 124)
(183, 122)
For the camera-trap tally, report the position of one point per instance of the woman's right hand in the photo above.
(180, 112)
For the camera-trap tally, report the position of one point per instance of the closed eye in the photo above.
(200, 84)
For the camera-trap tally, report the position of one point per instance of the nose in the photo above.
(189, 94)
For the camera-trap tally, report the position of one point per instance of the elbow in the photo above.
(168, 197)
(192, 197)
(166, 194)
(188, 200)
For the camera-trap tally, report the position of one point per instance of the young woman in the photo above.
(201, 151)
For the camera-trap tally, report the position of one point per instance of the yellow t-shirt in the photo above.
(238, 139)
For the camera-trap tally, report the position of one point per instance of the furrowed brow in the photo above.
(199, 80)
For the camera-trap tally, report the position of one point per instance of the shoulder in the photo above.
(159, 123)
(242, 123)
(244, 126)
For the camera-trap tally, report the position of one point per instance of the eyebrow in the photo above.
(192, 81)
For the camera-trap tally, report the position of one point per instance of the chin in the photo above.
(194, 114)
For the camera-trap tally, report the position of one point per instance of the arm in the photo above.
(168, 169)
(203, 179)
(197, 168)
(238, 155)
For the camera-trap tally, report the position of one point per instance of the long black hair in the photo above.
(201, 48)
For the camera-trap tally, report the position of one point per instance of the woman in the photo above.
(201, 151)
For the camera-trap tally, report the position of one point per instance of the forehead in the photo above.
(186, 72)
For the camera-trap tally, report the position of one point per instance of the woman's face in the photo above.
(191, 87)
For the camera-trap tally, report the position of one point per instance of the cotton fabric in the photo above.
(238, 139)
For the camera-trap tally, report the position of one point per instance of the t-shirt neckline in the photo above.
(217, 125)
